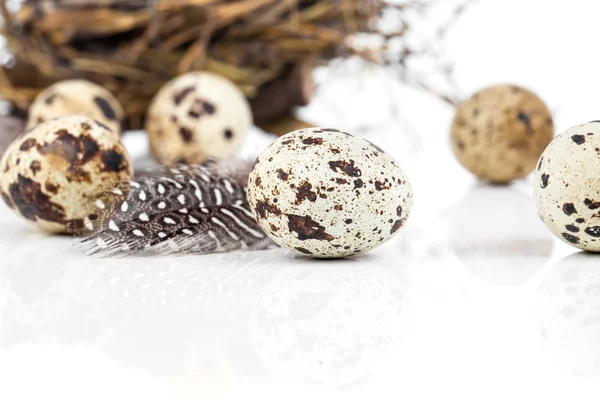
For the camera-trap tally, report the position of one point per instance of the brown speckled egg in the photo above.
(77, 97)
(566, 186)
(327, 194)
(51, 174)
(197, 116)
(500, 133)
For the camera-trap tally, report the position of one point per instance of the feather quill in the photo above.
(184, 210)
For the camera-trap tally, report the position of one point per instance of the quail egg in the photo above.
(327, 194)
(77, 97)
(51, 174)
(197, 116)
(567, 186)
(500, 132)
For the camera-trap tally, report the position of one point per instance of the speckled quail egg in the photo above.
(77, 97)
(51, 174)
(197, 116)
(500, 132)
(327, 194)
(567, 186)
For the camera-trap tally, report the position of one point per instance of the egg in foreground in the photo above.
(327, 194)
(197, 116)
(51, 174)
(500, 132)
(566, 186)
(77, 97)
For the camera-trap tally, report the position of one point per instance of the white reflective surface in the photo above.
(473, 295)
(463, 301)
(474, 299)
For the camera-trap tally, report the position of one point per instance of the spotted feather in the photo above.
(183, 210)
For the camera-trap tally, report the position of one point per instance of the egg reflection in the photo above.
(496, 232)
(182, 314)
(38, 370)
(568, 313)
(327, 324)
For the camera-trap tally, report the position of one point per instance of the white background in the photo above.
(473, 299)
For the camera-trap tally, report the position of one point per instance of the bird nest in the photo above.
(133, 47)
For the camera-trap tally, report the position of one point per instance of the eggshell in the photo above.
(197, 116)
(327, 194)
(77, 97)
(51, 174)
(500, 132)
(566, 186)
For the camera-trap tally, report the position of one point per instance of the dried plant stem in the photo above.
(284, 124)
(132, 47)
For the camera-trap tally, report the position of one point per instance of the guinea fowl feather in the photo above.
(184, 210)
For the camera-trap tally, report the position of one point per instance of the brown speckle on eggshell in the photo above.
(197, 116)
(56, 170)
(500, 132)
(328, 204)
(77, 97)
